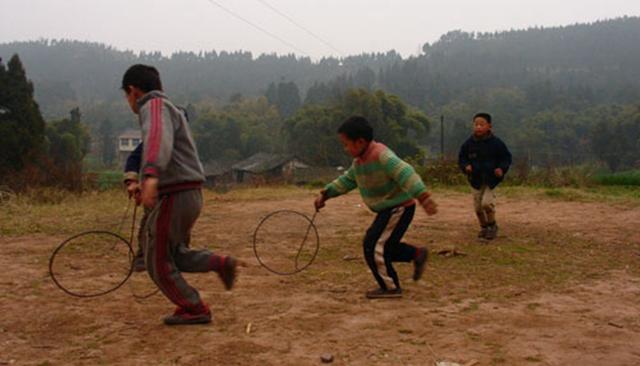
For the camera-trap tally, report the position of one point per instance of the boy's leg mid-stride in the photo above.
(168, 255)
(484, 202)
(382, 246)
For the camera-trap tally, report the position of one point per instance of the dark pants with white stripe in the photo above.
(166, 248)
(383, 246)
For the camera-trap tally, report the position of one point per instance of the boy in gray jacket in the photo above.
(172, 177)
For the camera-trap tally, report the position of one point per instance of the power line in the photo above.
(212, 2)
(300, 26)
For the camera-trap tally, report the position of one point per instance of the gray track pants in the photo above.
(168, 232)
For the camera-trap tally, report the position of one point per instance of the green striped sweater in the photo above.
(383, 179)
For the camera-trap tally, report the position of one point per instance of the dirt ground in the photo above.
(560, 286)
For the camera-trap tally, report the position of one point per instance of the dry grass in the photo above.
(618, 195)
(58, 212)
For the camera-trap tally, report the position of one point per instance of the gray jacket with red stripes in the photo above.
(169, 153)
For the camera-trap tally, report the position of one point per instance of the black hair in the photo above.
(486, 116)
(356, 127)
(143, 77)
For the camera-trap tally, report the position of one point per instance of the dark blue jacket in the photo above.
(484, 155)
(134, 160)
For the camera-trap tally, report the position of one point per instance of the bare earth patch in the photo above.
(560, 286)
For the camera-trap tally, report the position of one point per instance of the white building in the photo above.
(127, 142)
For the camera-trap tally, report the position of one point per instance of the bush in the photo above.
(45, 173)
(108, 179)
(577, 176)
(440, 172)
(446, 172)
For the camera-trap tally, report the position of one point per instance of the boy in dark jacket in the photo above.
(485, 159)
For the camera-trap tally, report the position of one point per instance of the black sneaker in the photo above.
(138, 264)
(379, 293)
(183, 317)
(228, 272)
(420, 263)
(492, 232)
(482, 234)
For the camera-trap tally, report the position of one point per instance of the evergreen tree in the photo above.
(318, 93)
(21, 124)
(272, 94)
(288, 98)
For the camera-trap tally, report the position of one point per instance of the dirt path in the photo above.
(559, 287)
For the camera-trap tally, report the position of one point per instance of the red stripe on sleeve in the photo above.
(151, 171)
(155, 131)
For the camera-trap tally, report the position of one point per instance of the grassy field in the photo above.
(37, 211)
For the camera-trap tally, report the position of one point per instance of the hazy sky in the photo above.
(349, 26)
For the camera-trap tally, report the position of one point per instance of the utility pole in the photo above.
(442, 136)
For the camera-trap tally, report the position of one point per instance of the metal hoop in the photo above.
(53, 256)
(311, 226)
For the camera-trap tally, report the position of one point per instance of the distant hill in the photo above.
(598, 62)
(601, 59)
(87, 73)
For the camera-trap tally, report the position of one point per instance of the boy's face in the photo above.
(355, 148)
(481, 127)
(132, 94)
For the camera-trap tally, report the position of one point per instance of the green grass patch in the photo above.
(108, 179)
(628, 195)
(628, 178)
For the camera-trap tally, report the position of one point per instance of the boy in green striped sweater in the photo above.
(389, 187)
